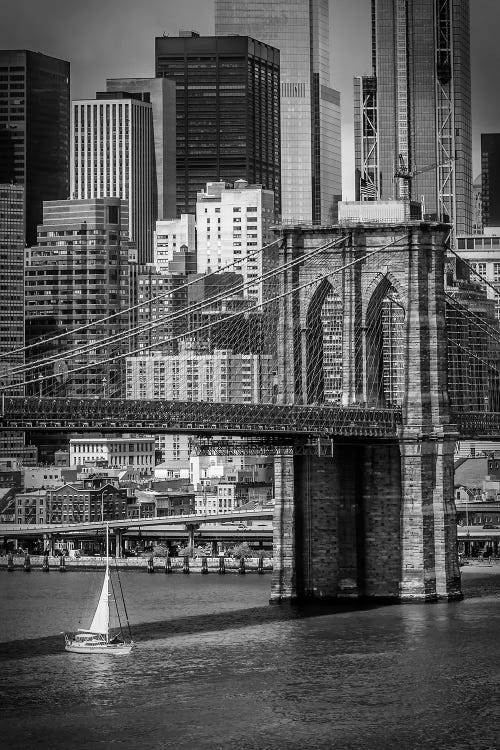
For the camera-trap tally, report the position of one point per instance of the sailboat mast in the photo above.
(107, 574)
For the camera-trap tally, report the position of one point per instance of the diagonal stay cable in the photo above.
(213, 323)
(100, 321)
(173, 317)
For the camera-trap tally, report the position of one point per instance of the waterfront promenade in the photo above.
(177, 564)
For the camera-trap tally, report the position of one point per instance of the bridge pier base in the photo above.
(372, 521)
(336, 521)
(428, 526)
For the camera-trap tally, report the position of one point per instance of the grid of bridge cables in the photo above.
(473, 339)
(224, 338)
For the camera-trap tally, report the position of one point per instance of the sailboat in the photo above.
(96, 639)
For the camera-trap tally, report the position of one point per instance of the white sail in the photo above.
(100, 623)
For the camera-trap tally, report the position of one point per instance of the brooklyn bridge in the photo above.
(374, 350)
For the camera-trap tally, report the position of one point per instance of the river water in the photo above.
(216, 668)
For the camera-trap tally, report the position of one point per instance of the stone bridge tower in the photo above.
(374, 519)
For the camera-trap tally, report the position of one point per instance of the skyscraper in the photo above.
(34, 130)
(113, 156)
(413, 114)
(490, 179)
(11, 301)
(160, 92)
(310, 109)
(170, 237)
(228, 123)
(12, 280)
(79, 274)
(233, 221)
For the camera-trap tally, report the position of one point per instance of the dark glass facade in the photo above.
(421, 58)
(228, 112)
(490, 179)
(310, 108)
(34, 129)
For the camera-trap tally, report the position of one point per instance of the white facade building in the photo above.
(113, 156)
(41, 477)
(170, 236)
(192, 376)
(482, 252)
(120, 452)
(232, 224)
(206, 503)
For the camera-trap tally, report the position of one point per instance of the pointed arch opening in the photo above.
(384, 347)
(324, 331)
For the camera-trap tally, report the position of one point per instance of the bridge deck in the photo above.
(203, 418)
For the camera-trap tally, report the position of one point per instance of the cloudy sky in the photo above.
(111, 38)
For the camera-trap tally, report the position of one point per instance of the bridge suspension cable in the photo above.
(132, 308)
(265, 304)
(207, 303)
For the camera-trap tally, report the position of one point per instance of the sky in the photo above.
(114, 38)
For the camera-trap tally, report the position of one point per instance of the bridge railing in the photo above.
(194, 417)
(477, 424)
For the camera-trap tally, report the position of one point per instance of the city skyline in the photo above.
(82, 36)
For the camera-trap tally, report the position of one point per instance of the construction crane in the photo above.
(403, 173)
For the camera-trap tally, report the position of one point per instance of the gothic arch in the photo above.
(384, 359)
(314, 386)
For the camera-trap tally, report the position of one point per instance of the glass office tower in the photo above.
(413, 115)
(227, 112)
(34, 129)
(490, 179)
(310, 109)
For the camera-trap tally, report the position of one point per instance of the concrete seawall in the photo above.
(231, 564)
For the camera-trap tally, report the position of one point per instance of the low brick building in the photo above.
(93, 499)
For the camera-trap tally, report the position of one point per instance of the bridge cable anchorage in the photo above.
(168, 319)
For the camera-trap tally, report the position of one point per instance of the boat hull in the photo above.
(113, 649)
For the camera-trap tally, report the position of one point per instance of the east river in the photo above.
(216, 668)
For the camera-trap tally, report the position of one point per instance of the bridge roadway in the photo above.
(160, 523)
(276, 423)
(196, 417)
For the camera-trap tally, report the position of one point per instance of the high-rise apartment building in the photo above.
(490, 179)
(12, 302)
(413, 114)
(113, 156)
(170, 237)
(34, 130)
(79, 274)
(194, 375)
(228, 120)
(160, 92)
(234, 221)
(310, 109)
(12, 279)
(161, 296)
(482, 253)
